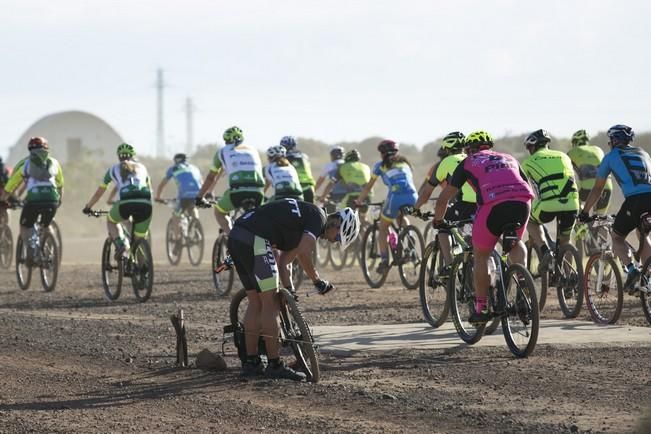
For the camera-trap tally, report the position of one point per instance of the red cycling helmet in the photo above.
(388, 147)
(37, 143)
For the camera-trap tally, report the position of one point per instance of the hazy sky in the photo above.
(331, 70)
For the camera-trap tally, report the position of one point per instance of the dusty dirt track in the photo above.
(73, 362)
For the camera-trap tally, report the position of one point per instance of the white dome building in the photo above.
(70, 133)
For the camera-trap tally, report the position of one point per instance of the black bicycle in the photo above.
(6, 242)
(513, 300)
(406, 252)
(138, 265)
(187, 233)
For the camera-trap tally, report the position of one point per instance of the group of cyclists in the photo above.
(476, 180)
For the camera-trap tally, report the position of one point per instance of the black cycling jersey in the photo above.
(283, 222)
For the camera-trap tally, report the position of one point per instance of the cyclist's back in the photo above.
(301, 163)
(188, 179)
(243, 167)
(281, 175)
(586, 158)
(354, 175)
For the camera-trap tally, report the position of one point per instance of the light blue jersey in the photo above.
(187, 178)
(631, 167)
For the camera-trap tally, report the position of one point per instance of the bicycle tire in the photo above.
(110, 265)
(429, 234)
(370, 257)
(603, 308)
(296, 331)
(410, 248)
(645, 296)
(142, 274)
(433, 291)
(172, 245)
(461, 296)
(56, 230)
(223, 282)
(337, 256)
(524, 304)
(297, 274)
(322, 252)
(23, 269)
(49, 266)
(195, 238)
(6, 247)
(570, 306)
(234, 306)
(532, 261)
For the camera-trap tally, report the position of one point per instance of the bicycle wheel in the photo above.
(223, 281)
(322, 252)
(173, 245)
(50, 261)
(429, 234)
(371, 258)
(111, 271)
(195, 242)
(461, 295)
(237, 308)
(297, 334)
(56, 231)
(533, 259)
(337, 256)
(433, 289)
(142, 273)
(569, 284)
(604, 293)
(6, 247)
(23, 268)
(297, 274)
(645, 290)
(522, 320)
(410, 246)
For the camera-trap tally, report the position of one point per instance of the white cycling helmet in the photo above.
(349, 229)
(276, 151)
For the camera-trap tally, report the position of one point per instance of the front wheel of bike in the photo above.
(6, 247)
(569, 285)
(50, 261)
(371, 258)
(142, 277)
(111, 271)
(195, 241)
(322, 252)
(23, 267)
(56, 231)
(645, 289)
(338, 257)
(410, 246)
(461, 295)
(604, 292)
(297, 334)
(433, 290)
(222, 281)
(522, 320)
(173, 243)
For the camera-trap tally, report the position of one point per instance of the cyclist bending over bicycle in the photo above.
(552, 176)
(632, 169)
(243, 167)
(503, 198)
(292, 227)
(396, 173)
(134, 189)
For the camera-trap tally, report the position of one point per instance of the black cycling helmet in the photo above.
(537, 139)
(453, 141)
(180, 158)
(620, 135)
(352, 155)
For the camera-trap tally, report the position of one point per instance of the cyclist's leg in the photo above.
(534, 227)
(625, 222)
(390, 212)
(28, 217)
(222, 208)
(141, 213)
(308, 193)
(266, 276)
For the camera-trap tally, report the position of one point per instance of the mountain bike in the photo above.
(533, 263)
(188, 233)
(406, 253)
(137, 264)
(6, 242)
(512, 299)
(39, 250)
(590, 239)
(56, 231)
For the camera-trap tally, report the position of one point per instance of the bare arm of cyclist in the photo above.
(304, 252)
(442, 203)
(159, 189)
(367, 188)
(594, 195)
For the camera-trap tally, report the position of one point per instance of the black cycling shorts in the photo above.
(628, 217)
(505, 213)
(31, 211)
(254, 260)
(140, 211)
(565, 220)
(308, 194)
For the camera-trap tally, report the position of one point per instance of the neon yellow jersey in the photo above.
(444, 171)
(586, 160)
(354, 175)
(552, 175)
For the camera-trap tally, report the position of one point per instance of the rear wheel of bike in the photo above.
(645, 290)
(569, 287)
(338, 257)
(49, 265)
(111, 271)
(533, 262)
(56, 231)
(522, 321)
(604, 292)
(322, 252)
(237, 308)
(429, 234)
(297, 334)
(461, 295)
(297, 274)
(173, 243)
(433, 290)
(410, 246)
(142, 277)
(371, 258)
(195, 242)
(6, 247)
(23, 269)
(223, 281)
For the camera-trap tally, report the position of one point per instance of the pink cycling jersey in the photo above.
(494, 176)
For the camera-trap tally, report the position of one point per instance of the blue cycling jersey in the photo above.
(187, 178)
(399, 178)
(631, 167)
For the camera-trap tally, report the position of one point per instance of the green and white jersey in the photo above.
(43, 181)
(284, 180)
(242, 165)
(130, 185)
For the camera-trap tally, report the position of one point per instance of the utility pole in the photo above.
(189, 131)
(160, 128)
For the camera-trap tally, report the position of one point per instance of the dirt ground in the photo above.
(74, 362)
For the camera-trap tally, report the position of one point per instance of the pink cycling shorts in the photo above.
(491, 218)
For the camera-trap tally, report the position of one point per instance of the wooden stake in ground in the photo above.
(178, 322)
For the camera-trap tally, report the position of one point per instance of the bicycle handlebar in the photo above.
(97, 213)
